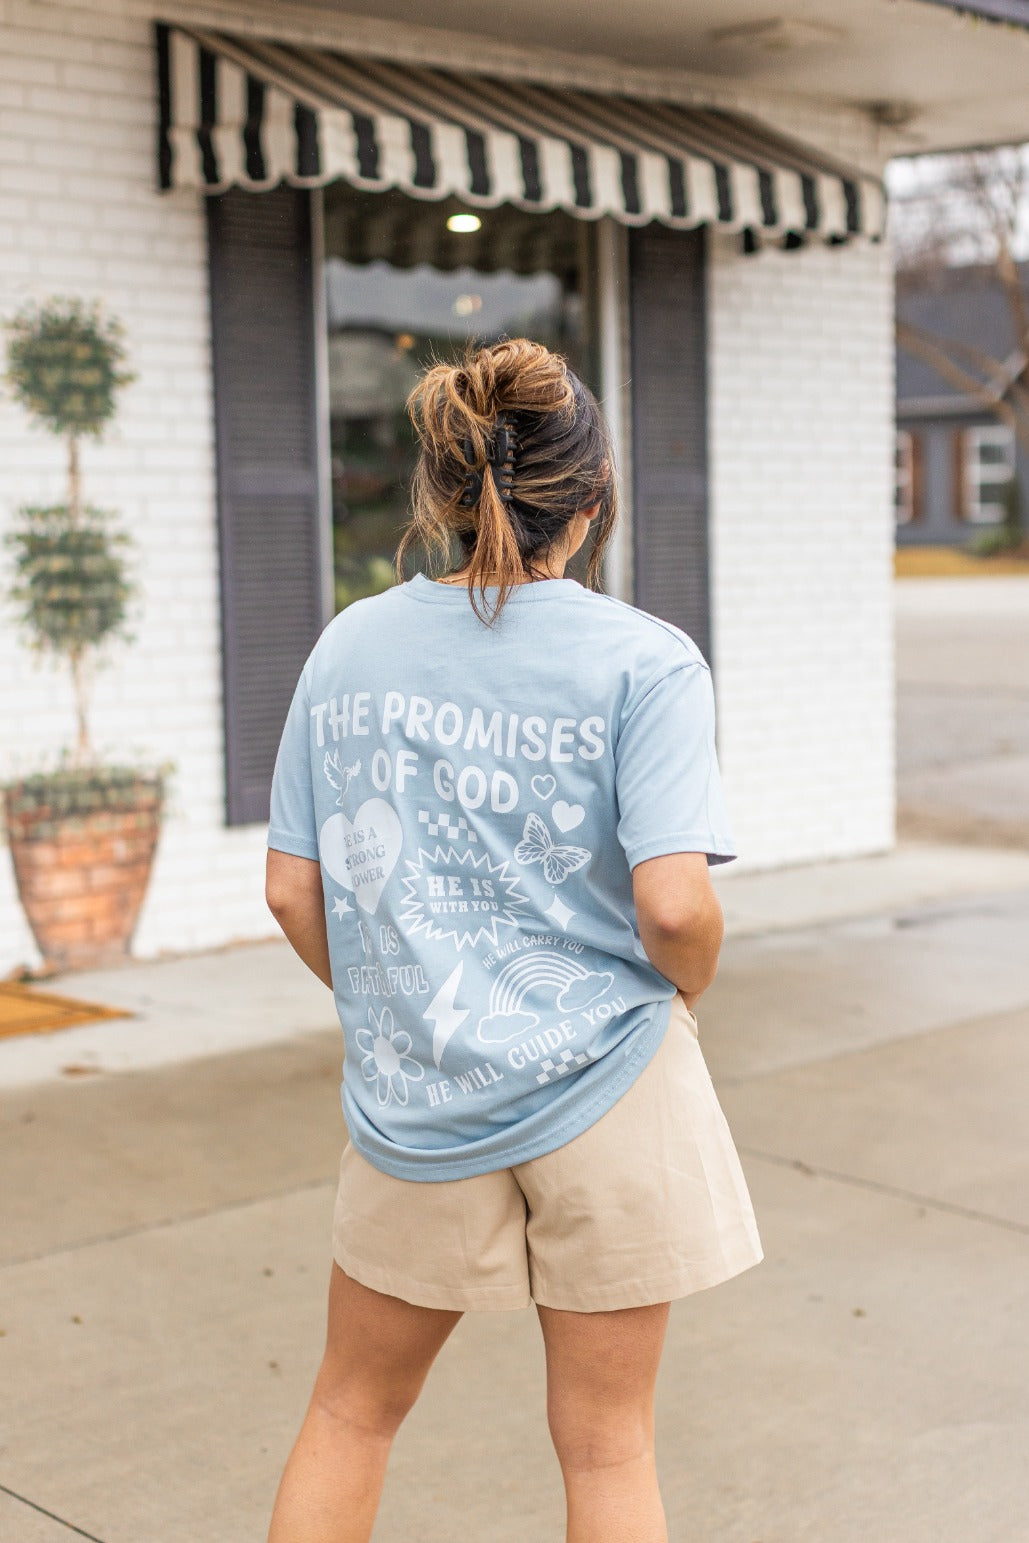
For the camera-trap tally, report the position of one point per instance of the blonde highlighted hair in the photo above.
(506, 513)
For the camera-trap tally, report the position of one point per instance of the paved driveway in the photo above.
(963, 709)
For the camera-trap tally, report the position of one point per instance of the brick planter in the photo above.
(82, 875)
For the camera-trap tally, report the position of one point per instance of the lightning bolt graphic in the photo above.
(442, 1012)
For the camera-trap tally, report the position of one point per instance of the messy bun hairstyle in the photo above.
(512, 445)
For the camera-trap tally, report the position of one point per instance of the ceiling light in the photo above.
(467, 305)
(464, 224)
(777, 34)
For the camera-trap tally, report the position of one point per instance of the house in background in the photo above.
(290, 206)
(955, 459)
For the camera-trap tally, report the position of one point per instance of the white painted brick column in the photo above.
(801, 423)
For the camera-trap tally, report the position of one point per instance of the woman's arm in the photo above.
(680, 920)
(293, 890)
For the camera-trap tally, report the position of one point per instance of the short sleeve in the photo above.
(292, 826)
(667, 780)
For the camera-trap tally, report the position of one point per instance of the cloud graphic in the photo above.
(499, 1027)
(580, 993)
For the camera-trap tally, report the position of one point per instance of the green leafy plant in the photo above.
(53, 799)
(65, 365)
(990, 543)
(1009, 534)
(1013, 517)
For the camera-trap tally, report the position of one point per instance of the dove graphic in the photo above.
(339, 776)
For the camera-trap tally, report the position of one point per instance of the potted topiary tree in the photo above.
(82, 833)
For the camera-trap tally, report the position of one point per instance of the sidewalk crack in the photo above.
(877, 1186)
(52, 1514)
(182, 1218)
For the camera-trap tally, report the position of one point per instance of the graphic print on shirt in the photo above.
(361, 854)
(559, 913)
(446, 1017)
(385, 1058)
(570, 995)
(459, 895)
(541, 1002)
(443, 1013)
(528, 975)
(339, 776)
(572, 998)
(382, 974)
(446, 825)
(538, 846)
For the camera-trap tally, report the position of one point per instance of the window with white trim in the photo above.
(904, 481)
(989, 465)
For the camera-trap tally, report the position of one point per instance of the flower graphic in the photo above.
(386, 1059)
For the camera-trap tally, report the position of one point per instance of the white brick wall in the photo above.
(79, 215)
(802, 536)
(800, 415)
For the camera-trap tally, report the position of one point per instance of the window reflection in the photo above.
(402, 290)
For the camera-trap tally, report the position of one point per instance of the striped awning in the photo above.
(245, 112)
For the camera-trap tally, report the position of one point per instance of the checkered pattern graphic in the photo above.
(566, 1060)
(444, 825)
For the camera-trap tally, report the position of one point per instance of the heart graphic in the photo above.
(543, 787)
(567, 816)
(361, 855)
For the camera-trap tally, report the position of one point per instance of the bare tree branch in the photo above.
(1007, 272)
(976, 205)
(921, 343)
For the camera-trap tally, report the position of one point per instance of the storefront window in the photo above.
(404, 287)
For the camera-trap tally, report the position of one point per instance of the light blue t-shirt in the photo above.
(477, 799)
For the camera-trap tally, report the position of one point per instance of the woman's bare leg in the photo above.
(377, 1356)
(601, 1373)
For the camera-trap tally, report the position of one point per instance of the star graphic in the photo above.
(560, 912)
(342, 906)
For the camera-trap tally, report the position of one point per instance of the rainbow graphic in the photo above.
(530, 974)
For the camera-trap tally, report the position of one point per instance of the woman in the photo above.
(494, 807)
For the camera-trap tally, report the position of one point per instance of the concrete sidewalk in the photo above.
(164, 1254)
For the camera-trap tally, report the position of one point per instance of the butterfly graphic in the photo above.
(537, 846)
(334, 763)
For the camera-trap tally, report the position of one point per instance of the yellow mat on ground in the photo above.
(942, 562)
(25, 1011)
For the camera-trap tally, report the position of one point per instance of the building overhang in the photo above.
(1016, 11)
(246, 112)
(919, 75)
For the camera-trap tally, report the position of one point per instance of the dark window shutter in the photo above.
(917, 476)
(262, 322)
(959, 473)
(667, 318)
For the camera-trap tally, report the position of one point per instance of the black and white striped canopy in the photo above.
(249, 113)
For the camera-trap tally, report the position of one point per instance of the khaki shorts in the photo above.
(647, 1204)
